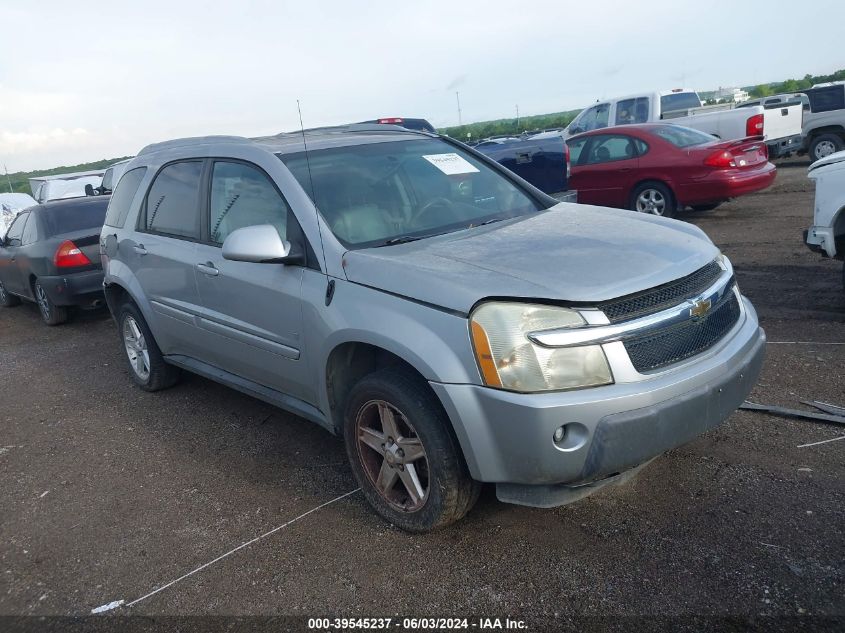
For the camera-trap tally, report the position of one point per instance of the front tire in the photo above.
(407, 462)
(824, 145)
(146, 363)
(654, 198)
(51, 314)
(8, 300)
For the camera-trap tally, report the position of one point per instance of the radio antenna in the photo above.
(313, 190)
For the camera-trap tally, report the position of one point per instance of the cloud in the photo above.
(37, 139)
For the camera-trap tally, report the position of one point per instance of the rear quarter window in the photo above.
(124, 194)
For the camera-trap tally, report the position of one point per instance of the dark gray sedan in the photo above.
(50, 255)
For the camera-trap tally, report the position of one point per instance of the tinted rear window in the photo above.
(70, 218)
(683, 136)
(679, 101)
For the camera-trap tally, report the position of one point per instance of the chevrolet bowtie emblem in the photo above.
(699, 308)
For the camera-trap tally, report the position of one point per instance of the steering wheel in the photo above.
(439, 202)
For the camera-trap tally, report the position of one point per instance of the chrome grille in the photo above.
(661, 297)
(675, 343)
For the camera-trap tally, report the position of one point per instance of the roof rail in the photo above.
(190, 141)
(348, 127)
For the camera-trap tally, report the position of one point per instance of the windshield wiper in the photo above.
(402, 239)
(486, 222)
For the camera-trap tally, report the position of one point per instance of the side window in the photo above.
(122, 197)
(15, 232)
(632, 111)
(641, 146)
(610, 147)
(827, 99)
(242, 195)
(30, 231)
(172, 205)
(575, 148)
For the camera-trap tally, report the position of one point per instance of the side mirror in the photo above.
(89, 190)
(260, 244)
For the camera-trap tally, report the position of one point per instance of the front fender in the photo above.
(433, 341)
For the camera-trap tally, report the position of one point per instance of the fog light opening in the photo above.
(571, 436)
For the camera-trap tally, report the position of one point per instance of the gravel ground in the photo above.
(108, 493)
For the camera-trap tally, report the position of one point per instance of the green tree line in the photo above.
(793, 85)
(485, 129)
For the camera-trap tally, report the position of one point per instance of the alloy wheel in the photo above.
(3, 294)
(136, 348)
(824, 149)
(43, 301)
(392, 455)
(651, 201)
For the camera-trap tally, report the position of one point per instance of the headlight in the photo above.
(509, 360)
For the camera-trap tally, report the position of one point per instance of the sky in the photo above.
(82, 81)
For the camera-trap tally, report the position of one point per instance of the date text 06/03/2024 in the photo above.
(415, 624)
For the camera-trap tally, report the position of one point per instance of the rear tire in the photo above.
(704, 207)
(654, 198)
(407, 462)
(51, 314)
(8, 300)
(824, 145)
(146, 363)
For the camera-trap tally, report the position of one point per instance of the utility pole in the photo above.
(458, 98)
(9, 180)
(517, 117)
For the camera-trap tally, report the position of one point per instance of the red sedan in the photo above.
(659, 168)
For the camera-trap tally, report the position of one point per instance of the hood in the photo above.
(570, 253)
(836, 157)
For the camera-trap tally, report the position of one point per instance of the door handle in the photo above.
(139, 248)
(208, 269)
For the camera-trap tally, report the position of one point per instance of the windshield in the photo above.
(683, 136)
(382, 193)
(679, 101)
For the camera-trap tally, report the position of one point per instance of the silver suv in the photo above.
(454, 324)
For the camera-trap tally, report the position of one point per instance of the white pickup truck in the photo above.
(780, 124)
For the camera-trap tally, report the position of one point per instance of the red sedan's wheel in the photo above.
(654, 198)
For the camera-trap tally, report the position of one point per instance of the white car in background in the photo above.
(10, 205)
(68, 185)
(827, 235)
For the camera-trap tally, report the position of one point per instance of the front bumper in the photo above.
(83, 289)
(506, 437)
(820, 239)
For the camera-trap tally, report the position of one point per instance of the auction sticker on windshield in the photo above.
(450, 164)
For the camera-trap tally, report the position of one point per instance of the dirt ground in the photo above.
(109, 493)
